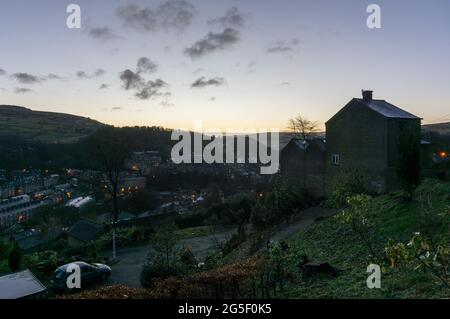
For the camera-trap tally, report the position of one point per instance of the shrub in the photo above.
(241, 279)
(156, 269)
(124, 237)
(4, 249)
(345, 184)
(195, 219)
(187, 258)
(355, 216)
(15, 257)
(282, 202)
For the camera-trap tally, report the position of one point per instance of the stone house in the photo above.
(303, 161)
(361, 138)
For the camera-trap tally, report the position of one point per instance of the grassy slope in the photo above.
(330, 241)
(45, 127)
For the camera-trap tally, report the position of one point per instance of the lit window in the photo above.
(335, 159)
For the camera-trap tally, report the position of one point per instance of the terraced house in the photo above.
(17, 209)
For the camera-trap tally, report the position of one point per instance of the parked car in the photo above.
(90, 274)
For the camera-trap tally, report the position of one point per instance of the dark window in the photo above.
(335, 159)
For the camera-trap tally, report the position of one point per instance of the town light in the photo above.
(443, 154)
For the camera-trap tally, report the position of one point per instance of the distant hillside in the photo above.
(442, 128)
(46, 127)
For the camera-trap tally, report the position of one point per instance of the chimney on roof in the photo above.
(367, 95)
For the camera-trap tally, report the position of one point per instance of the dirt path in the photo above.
(301, 221)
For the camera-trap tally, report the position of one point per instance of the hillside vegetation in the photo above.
(44, 127)
(391, 219)
(275, 273)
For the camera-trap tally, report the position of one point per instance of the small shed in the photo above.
(83, 233)
(21, 285)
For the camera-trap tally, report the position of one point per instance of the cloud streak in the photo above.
(26, 78)
(102, 34)
(20, 90)
(232, 19)
(82, 75)
(203, 82)
(213, 42)
(283, 46)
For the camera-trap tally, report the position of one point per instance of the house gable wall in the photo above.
(358, 135)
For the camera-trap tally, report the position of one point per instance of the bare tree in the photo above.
(111, 148)
(302, 127)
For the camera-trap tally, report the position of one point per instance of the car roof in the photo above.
(81, 264)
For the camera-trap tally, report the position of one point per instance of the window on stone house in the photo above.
(335, 160)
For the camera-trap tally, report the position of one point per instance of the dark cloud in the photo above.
(103, 86)
(116, 108)
(213, 42)
(144, 89)
(145, 65)
(134, 17)
(102, 33)
(232, 19)
(97, 73)
(130, 79)
(26, 78)
(203, 82)
(22, 90)
(212, 99)
(2, 72)
(171, 15)
(151, 89)
(176, 15)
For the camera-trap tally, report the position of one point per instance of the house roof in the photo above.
(304, 144)
(387, 109)
(85, 231)
(20, 285)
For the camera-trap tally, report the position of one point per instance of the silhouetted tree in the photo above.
(302, 127)
(111, 147)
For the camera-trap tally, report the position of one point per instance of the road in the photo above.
(131, 259)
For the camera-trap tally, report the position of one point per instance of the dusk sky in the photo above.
(232, 64)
